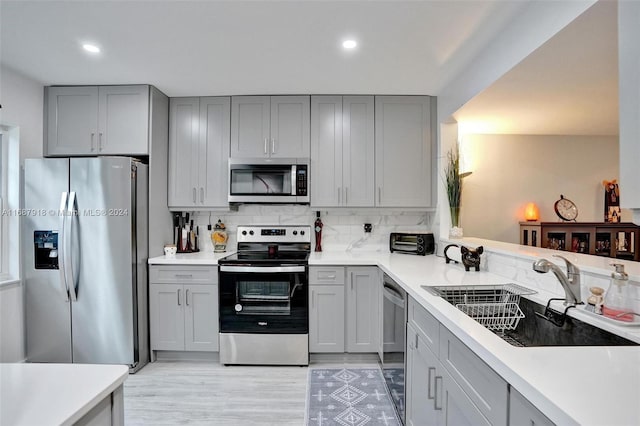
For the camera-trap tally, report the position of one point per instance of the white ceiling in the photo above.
(237, 47)
(198, 48)
(568, 86)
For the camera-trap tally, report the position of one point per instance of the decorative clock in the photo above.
(566, 209)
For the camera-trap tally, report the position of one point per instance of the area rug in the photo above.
(348, 397)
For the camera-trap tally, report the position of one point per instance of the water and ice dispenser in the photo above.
(45, 246)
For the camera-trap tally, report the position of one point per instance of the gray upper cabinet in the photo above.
(97, 120)
(270, 126)
(198, 152)
(123, 120)
(71, 120)
(342, 151)
(404, 151)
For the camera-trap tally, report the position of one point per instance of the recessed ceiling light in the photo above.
(91, 48)
(349, 44)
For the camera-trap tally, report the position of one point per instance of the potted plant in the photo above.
(453, 182)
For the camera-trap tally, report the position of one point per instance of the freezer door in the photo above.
(102, 260)
(47, 306)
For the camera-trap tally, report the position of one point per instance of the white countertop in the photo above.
(571, 385)
(39, 394)
(199, 258)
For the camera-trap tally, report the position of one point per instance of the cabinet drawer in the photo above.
(159, 274)
(326, 275)
(425, 323)
(485, 387)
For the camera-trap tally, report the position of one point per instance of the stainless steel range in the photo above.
(264, 303)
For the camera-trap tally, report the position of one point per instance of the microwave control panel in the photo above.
(301, 180)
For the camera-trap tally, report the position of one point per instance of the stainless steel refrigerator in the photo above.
(85, 251)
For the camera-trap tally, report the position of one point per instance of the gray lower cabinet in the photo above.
(97, 120)
(326, 318)
(199, 132)
(523, 413)
(183, 308)
(404, 152)
(342, 151)
(441, 390)
(344, 309)
(270, 126)
(108, 412)
(363, 293)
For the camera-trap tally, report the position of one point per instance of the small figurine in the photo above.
(595, 301)
(470, 257)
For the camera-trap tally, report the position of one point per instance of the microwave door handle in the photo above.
(294, 174)
(61, 245)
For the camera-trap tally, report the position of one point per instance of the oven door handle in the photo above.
(262, 269)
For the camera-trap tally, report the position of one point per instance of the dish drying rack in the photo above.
(495, 307)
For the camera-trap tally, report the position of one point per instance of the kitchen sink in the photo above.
(513, 318)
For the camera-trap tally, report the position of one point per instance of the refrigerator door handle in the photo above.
(61, 245)
(71, 213)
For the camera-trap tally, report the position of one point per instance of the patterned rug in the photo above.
(348, 397)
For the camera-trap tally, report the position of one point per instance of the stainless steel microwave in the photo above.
(269, 180)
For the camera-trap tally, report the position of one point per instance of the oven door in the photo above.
(264, 299)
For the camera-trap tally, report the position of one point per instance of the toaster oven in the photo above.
(412, 243)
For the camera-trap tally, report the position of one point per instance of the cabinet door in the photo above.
(358, 151)
(215, 122)
(420, 381)
(454, 405)
(71, 120)
(166, 316)
(403, 151)
(184, 115)
(363, 309)
(250, 126)
(290, 122)
(123, 120)
(523, 413)
(326, 151)
(326, 318)
(201, 318)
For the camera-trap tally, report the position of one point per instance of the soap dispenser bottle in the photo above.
(616, 302)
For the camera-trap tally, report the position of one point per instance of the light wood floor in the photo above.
(203, 393)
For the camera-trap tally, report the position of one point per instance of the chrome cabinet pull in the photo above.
(339, 197)
(194, 195)
(100, 141)
(273, 146)
(93, 145)
(184, 275)
(202, 195)
(266, 142)
(346, 196)
(186, 297)
(379, 195)
(435, 395)
(313, 298)
(431, 369)
(179, 297)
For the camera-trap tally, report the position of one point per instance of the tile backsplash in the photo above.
(343, 229)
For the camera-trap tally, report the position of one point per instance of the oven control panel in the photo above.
(274, 234)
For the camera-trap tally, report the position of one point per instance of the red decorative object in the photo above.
(317, 227)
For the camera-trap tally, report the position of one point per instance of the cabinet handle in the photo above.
(339, 197)
(346, 196)
(273, 146)
(194, 195)
(179, 297)
(313, 298)
(416, 341)
(184, 275)
(431, 369)
(186, 297)
(100, 141)
(266, 142)
(93, 145)
(202, 195)
(435, 395)
(379, 195)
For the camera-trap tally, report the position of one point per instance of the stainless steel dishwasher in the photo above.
(392, 355)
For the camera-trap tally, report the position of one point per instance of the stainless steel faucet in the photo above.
(570, 282)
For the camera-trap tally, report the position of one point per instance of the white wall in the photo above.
(22, 106)
(512, 170)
